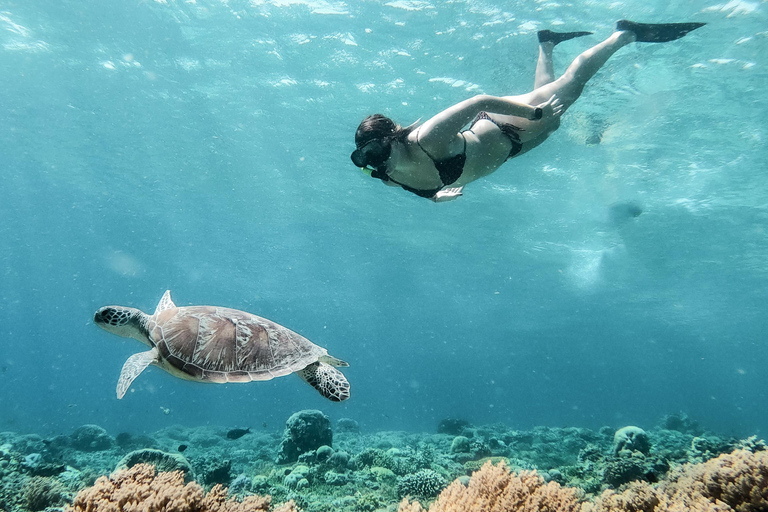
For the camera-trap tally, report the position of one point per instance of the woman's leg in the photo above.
(570, 85)
(545, 69)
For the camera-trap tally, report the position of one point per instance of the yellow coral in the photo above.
(139, 489)
(495, 489)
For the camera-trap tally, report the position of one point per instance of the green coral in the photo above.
(460, 444)
(373, 457)
(163, 462)
(425, 483)
(377, 457)
(473, 465)
(384, 476)
(298, 478)
(368, 502)
(41, 492)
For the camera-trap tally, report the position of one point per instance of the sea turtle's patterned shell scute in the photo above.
(216, 344)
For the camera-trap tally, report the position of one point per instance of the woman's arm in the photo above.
(441, 129)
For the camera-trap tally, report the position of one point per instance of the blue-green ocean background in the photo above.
(203, 146)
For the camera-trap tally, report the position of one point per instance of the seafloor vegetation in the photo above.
(314, 465)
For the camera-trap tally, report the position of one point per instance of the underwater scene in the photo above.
(537, 281)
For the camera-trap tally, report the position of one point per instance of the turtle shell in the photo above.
(215, 344)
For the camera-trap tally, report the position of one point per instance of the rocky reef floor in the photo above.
(327, 465)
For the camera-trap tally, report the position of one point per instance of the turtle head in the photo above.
(123, 321)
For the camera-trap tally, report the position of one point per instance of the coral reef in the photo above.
(631, 439)
(41, 492)
(452, 426)
(140, 489)
(347, 425)
(681, 423)
(495, 489)
(304, 431)
(424, 483)
(622, 470)
(339, 460)
(90, 438)
(731, 482)
(162, 461)
(460, 444)
(372, 472)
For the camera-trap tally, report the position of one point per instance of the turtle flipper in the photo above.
(332, 361)
(165, 302)
(135, 364)
(329, 381)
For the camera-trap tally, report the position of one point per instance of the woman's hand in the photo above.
(550, 108)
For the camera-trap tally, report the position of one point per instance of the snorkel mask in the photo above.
(371, 156)
(373, 139)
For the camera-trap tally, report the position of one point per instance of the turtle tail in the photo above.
(329, 381)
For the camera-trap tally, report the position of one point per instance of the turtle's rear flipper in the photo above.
(657, 32)
(329, 381)
(135, 364)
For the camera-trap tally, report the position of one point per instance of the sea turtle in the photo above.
(215, 344)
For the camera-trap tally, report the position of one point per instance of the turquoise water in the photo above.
(203, 146)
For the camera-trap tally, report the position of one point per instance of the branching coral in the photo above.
(163, 462)
(495, 489)
(139, 489)
(738, 479)
(635, 497)
(735, 482)
(732, 482)
(424, 483)
(40, 492)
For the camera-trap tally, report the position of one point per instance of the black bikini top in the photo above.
(449, 170)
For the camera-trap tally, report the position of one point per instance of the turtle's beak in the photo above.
(98, 317)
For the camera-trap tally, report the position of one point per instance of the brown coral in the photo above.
(731, 482)
(139, 489)
(40, 492)
(738, 480)
(735, 482)
(495, 489)
(634, 497)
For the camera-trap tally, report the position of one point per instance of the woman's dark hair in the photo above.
(379, 126)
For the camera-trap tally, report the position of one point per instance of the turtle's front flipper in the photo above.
(329, 381)
(332, 361)
(132, 368)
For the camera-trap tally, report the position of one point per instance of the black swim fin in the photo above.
(657, 32)
(547, 36)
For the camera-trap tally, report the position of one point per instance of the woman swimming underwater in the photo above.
(437, 158)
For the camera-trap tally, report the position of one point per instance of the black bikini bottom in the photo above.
(510, 130)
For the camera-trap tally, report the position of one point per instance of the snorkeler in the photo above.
(436, 159)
